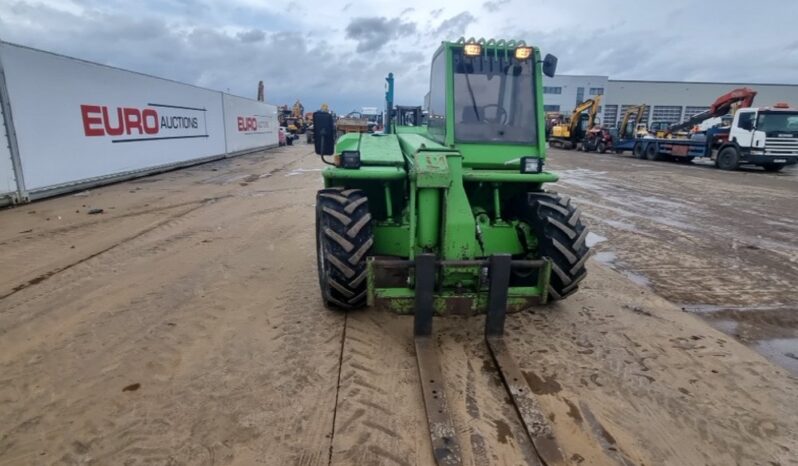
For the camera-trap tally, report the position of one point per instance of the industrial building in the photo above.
(672, 101)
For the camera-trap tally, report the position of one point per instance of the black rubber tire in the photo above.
(638, 151)
(561, 237)
(773, 167)
(344, 238)
(728, 159)
(290, 140)
(651, 152)
(601, 148)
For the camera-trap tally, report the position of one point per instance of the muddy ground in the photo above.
(183, 326)
(723, 245)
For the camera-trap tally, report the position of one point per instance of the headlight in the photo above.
(522, 53)
(472, 50)
(350, 159)
(531, 165)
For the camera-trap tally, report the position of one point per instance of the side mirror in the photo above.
(549, 65)
(323, 133)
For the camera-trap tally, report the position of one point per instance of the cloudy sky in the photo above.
(339, 52)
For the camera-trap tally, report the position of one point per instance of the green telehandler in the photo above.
(450, 216)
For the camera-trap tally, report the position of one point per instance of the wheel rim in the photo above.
(725, 160)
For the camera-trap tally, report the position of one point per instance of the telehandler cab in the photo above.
(451, 217)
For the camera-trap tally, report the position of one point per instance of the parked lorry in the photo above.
(764, 136)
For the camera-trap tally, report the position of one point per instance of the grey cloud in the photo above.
(253, 35)
(372, 33)
(291, 64)
(456, 25)
(296, 60)
(407, 10)
(494, 5)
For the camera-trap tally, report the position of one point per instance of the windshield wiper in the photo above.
(471, 93)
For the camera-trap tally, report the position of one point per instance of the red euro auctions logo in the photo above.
(155, 122)
(253, 124)
(247, 124)
(97, 121)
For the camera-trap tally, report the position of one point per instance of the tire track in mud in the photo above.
(277, 405)
(337, 389)
(689, 386)
(163, 223)
(377, 418)
(24, 246)
(380, 411)
(489, 427)
(699, 236)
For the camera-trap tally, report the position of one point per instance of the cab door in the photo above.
(743, 131)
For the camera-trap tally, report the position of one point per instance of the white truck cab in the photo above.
(764, 136)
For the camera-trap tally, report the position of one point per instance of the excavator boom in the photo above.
(637, 111)
(567, 135)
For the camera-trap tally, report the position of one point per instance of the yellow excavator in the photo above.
(630, 128)
(632, 124)
(568, 134)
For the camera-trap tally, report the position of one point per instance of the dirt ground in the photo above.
(183, 326)
(719, 244)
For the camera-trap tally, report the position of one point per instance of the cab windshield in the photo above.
(494, 99)
(775, 123)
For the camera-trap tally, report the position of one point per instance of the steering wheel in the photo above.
(501, 114)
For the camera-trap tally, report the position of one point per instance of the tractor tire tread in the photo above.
(355, 229)
(344, 219)
(343, 242)
(344, 239)
(561, 237)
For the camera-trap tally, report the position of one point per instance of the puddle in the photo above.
(727, 326)
(769, 330)
(782, 351)
(619, 225)
(299, 171)
(594, 239)
(610, 259)
(605, 257)
(636, 278)
(713, 308)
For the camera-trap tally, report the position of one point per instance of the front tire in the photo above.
(561, 237)
(344, 238)
(728, 159)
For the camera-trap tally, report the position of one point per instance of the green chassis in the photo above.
(428, 196)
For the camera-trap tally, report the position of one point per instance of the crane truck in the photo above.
(744, 142)
(761, 136)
